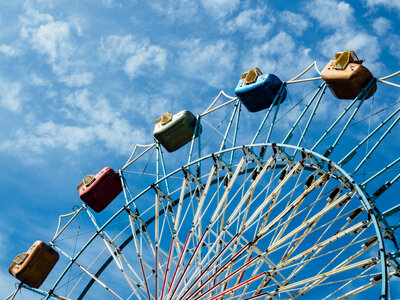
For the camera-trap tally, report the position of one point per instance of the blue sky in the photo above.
(81, 82)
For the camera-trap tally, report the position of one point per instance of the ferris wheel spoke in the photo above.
(309, 221)
(167, 267)
(86, 271)
(273, 195)
(252, 247)
(357, 229)
(219, 236)
(335, 123)
(265, 118)
(262, 259)
(230, 268)
(178, 264)
(276, 228)
(185, 184)
(344, 263)
(159, 252)
(272, 204)
(222, 228)
(228, 128)
(160, 156)
(99, 282)
(203, 273)
(380, 172)
(298, 266)
(373, 281)
(138, 253)
(227, 278)
(319, 245)
(353, 151)
(361, 264)
(206, 189)
(296, 242)
(231, 272)
(243, 214)
(293, 212)
(272, 266)
(270, 276)
(376, 145)
(273, 122)
(160, 195)
(237, 243)
(322, 179)
(332, 147)
(134, 217)
(268, 165)
(289, 135)
(197, 224)
(183, 275)
(224, 198)
(255, 271)
(116, 254)
(310, 119)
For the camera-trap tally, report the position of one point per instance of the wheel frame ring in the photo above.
(360, 192)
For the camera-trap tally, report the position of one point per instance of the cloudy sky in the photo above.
(82, 82)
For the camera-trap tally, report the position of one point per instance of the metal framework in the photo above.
(261, 221)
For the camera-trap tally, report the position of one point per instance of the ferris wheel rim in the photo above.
(360, 192)
(361, 188)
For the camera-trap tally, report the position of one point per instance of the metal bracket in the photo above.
(251, 155)
(393, 256)
(161, 193)
(192, 178)
(278, 150)
(389, 212)
(224, 166)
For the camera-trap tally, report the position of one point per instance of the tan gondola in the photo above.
(346, 77)
(33, 266)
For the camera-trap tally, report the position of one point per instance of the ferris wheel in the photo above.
(282, 192)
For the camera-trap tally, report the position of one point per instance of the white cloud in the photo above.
(92, 120)
(394, 45)
(220, 8)
(390, 4)
(107, 123)
(37, 80)
(331, 13)
(117, 48)
(50, 39)
(55, 40)
(251, 23)
(135, 57)
(279, 55)
(10, 51)
(7, 283)
(297, 23)
(210, 62)
(49, 135)
(181, 10)
(151, 106)
(107, 3)
(347, 35)
(381, 25)
(144, 59)
(365, 45)
(10, 95)
(78, 79)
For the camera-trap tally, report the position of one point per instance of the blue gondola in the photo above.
(257, 91)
